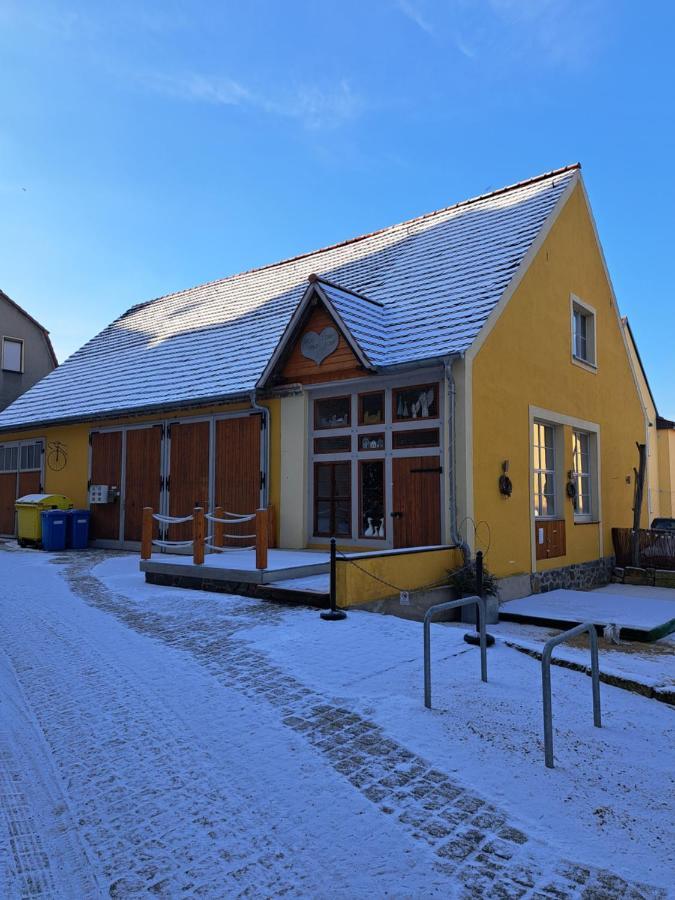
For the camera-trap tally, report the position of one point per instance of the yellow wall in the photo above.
(526, 361)
(408, 571)
(72, 479)
(666, 449)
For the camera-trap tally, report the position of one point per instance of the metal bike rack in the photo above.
(443, 607)
(546, 682)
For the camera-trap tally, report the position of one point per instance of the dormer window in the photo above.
(583, 333)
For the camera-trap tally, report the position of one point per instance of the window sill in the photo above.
(584, 364)
(587, 521)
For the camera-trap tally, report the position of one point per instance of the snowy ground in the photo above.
(175, 743)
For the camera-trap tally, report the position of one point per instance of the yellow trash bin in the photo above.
(28, 509)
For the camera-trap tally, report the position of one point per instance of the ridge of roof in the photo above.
(360, 237)
(32, 319)
(313, 278)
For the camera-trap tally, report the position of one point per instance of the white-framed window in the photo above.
(582, 474)
(583, 333)
(544, 470)
(356, 433)
(12, 354)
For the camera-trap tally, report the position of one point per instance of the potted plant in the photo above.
(465, 584)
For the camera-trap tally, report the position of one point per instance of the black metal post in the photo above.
(475, 638)
(333, 614)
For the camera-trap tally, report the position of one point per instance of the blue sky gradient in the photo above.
(149, 146)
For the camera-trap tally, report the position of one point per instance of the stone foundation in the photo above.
(577, 577)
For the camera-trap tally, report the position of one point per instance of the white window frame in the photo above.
(538, 414)
(554, 471)
(353, 388)
(590, 361)
(14, 340)
(590, 516)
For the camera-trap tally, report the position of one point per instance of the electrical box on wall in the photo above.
(102, 493)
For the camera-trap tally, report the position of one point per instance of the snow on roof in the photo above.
(433, 281)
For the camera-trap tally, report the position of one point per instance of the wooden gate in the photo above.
(237, 482)
(188, 482)
(416, 513)
(143, 478)
(7, 501)
(106, 468)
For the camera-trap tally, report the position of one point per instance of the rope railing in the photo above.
(214, 542)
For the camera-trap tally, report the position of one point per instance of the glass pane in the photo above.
(332, 413)
(338, 444)
(11, 355)
(427, 437)
(324, 481)
(416, 403)
(371, 442)
(372, 499)
(323, 508)
(343, 518)
(343, 480)
(371, 409)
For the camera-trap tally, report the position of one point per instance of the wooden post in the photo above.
(218, 527)
(198, 536)
(146, 533)
(261, 538)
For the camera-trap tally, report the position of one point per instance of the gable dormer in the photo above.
(318, 344)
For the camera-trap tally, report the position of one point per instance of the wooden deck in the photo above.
(293, 575)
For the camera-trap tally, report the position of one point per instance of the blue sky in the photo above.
(149, 146)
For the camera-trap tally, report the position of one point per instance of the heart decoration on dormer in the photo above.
(318, 346)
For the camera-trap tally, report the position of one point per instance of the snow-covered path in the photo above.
(156, 748)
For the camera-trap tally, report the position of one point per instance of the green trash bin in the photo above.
(28, 509)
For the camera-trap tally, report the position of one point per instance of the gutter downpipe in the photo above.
(264, 411)
(452, 458)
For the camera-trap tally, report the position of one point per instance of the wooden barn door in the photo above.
(7, 500)
(106, 468)
(142, 487)
(188, 473)
(416, 512)
(237, 482)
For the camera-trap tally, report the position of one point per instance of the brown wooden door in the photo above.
(142, 487)
(188, 473)
(29, 483)
(106, 468)
(237, 487)
(416, 512)
(7, 501)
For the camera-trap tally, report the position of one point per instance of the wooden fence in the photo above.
(262, 537)
(656, 548)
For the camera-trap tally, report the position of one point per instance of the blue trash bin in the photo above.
(77, 536)
(54, 528)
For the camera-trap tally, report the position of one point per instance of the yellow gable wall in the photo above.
(71, 480)
(526, 361)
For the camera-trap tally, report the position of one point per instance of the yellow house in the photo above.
(460, 381)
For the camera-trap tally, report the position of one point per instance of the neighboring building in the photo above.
(26, 353)
(376, 390)
(665, 431)
(660, 493)
(652, 493)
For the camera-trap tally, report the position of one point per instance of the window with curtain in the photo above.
(544, 470)
(581, 473)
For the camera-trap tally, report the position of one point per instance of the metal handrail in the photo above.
(546, 682)
(443, 607)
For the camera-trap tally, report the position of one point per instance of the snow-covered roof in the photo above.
(430, 284)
